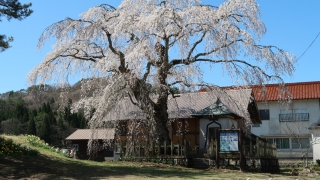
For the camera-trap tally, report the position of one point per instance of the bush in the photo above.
(318, 162)
(9, 148)
(36, 141)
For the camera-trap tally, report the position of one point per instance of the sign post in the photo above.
(229, 141)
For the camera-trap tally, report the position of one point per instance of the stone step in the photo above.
(201, 163)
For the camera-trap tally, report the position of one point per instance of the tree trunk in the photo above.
(158, 129)
(161, 120)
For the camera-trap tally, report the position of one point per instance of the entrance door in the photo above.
(212, 135)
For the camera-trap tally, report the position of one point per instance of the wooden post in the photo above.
(265, 148)
(120, 148)
(185, 148)
(244, 147)
(134, 150)
(241, 158)
(274, 150)
(211, 147)
(158, 147)
(127, 147)
(171, 149)
(139, 150)
(251, 148)
(153, 148)
(178, 149)
(214, 150)
(217, 148)
(258, 147)
(165, 148)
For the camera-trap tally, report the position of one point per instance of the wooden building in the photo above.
(212, 125)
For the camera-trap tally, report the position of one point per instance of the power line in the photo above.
(309, 46)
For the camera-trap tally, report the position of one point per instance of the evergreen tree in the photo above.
(67, 114)
(61, 125)
(45, 130)
(34, 113)
(75, 121)
(83, 122)
(32, 130)
(25, 118)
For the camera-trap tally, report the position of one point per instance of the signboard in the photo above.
(229, 141)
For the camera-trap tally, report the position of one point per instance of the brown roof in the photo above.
(85, 134)
(184, 105)
(299, 90)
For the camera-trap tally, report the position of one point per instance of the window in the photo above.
(75, 147)
(255, 125)
(264, 114)
(281, 143)
(294, 115)
(304, 142)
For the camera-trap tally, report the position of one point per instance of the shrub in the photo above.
(9, 148)
(36, 141)
(318, 162)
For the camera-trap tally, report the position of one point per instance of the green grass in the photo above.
(51, 165)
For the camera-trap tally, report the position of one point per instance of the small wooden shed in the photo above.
(103, 150)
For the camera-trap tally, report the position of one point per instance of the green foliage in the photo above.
(45, 130)
(37, 142)
(318, 162)
(5, 110)
(5, 42)
(9, 148)
(22, 112)
(12, 9)
(32, 130)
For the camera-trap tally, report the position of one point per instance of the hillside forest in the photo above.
(41, 111)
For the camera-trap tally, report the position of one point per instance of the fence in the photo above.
(251, 149)
(157, 150)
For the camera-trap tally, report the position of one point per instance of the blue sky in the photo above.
(291, 25)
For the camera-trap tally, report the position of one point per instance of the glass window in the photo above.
(264, 114)
(282, 143)
(304, 142)
(270, 140)
(293, 115)
(255, 125)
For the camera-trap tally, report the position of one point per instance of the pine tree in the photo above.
(61, 125)
(12, 9)
(32, 130)
(45, 130)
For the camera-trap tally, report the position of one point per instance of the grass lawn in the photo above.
(51, 165)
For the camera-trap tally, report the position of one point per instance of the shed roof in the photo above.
(85, 134)
(298, 90)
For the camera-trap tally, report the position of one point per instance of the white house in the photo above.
(291, 126)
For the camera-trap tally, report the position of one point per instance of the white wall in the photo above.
(226, 123)
(274, 127)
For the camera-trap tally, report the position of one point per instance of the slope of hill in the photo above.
(52, 165)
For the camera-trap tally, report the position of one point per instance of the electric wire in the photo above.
(309, 46)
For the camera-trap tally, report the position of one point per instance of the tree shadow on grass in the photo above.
(44, 167)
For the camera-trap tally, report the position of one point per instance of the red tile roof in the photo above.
(299, 90)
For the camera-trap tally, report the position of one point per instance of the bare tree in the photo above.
(143, 48)
(296, 130)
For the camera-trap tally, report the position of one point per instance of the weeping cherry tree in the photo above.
(142, 49)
